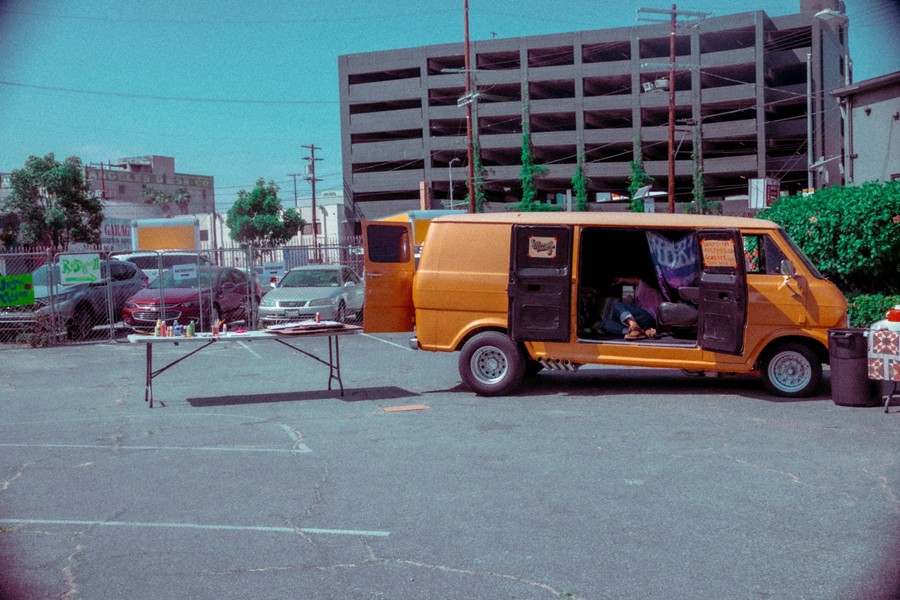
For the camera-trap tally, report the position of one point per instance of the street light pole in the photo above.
(671, 191)
(450, 178)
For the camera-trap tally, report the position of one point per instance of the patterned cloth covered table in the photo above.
(884, 359)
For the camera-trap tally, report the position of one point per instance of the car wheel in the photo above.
(791, 370)
(341, 315)
(80, 325)
(491, 364)
(247, 313)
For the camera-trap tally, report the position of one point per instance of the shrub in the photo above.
(865, 309)
(852, 234)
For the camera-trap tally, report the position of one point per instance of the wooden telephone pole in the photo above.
(311, 178)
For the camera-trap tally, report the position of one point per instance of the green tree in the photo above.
(529, 172)
(258, 219)
(636, 181)
(54, 203)
(478, 182)
(579, 185)
(180, 198)
(852, 234)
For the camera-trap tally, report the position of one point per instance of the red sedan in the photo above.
(188, 293)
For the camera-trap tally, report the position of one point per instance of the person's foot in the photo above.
(635, 332)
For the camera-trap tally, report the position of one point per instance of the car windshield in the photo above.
(311, 278)
(188, 279)
(39, 277)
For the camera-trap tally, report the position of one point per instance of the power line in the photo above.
(168, 98)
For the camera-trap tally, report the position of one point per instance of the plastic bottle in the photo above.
(176, 328)
(158, 330)
(192, 329)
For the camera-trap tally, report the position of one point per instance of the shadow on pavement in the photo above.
(350, 395)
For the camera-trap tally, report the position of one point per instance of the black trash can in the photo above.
(848, 351)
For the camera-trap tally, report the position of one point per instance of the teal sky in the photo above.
(234, 89)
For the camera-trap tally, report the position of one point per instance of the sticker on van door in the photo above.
(542, 247)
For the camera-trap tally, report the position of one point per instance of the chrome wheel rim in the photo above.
(489, 365)
(790, 371)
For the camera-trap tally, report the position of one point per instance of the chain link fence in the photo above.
(49, 298)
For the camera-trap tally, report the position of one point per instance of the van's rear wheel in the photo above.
(491, 364)
(792, 370)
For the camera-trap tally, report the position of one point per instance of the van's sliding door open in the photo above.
(723, 291)
(540, 283)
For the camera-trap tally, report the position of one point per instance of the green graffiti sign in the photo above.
(16, 290)
(79, 268)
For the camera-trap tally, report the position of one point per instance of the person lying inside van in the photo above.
(634, 316)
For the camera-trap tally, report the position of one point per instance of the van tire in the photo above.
(791, 370)
(491, 364)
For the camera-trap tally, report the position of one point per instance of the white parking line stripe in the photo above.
(389, 343)
(299, 448)
(249, 349)
(138, 524)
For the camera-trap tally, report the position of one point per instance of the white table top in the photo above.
(243, 336)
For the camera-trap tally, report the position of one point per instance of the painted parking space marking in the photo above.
(388, 342)
(195, 526)
(302, 448)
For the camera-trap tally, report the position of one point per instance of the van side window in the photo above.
(388, 244)
(762, 255)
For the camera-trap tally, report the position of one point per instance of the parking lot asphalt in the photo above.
(249, 479)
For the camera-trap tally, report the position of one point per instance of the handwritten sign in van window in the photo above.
(16, 290)
(541, 247)
(719, 253)
(79, 268)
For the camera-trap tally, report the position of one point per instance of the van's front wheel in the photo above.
(792, 370)
(491, 364)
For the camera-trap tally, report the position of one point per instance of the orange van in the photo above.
(515, 293)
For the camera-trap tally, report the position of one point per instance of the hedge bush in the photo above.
(865, 309)
(852, 234)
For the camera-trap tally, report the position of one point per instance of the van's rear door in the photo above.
(389, 264)
(540, 283)
(723, 291)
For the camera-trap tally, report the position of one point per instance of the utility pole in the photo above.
(470, 151)
(673, 23)
(311, 178)
(295, 176)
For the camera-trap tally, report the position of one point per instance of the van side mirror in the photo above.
(787, 268)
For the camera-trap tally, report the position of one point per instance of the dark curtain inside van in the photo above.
(676, 260)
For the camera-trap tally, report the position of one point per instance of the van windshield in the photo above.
(800, 254)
